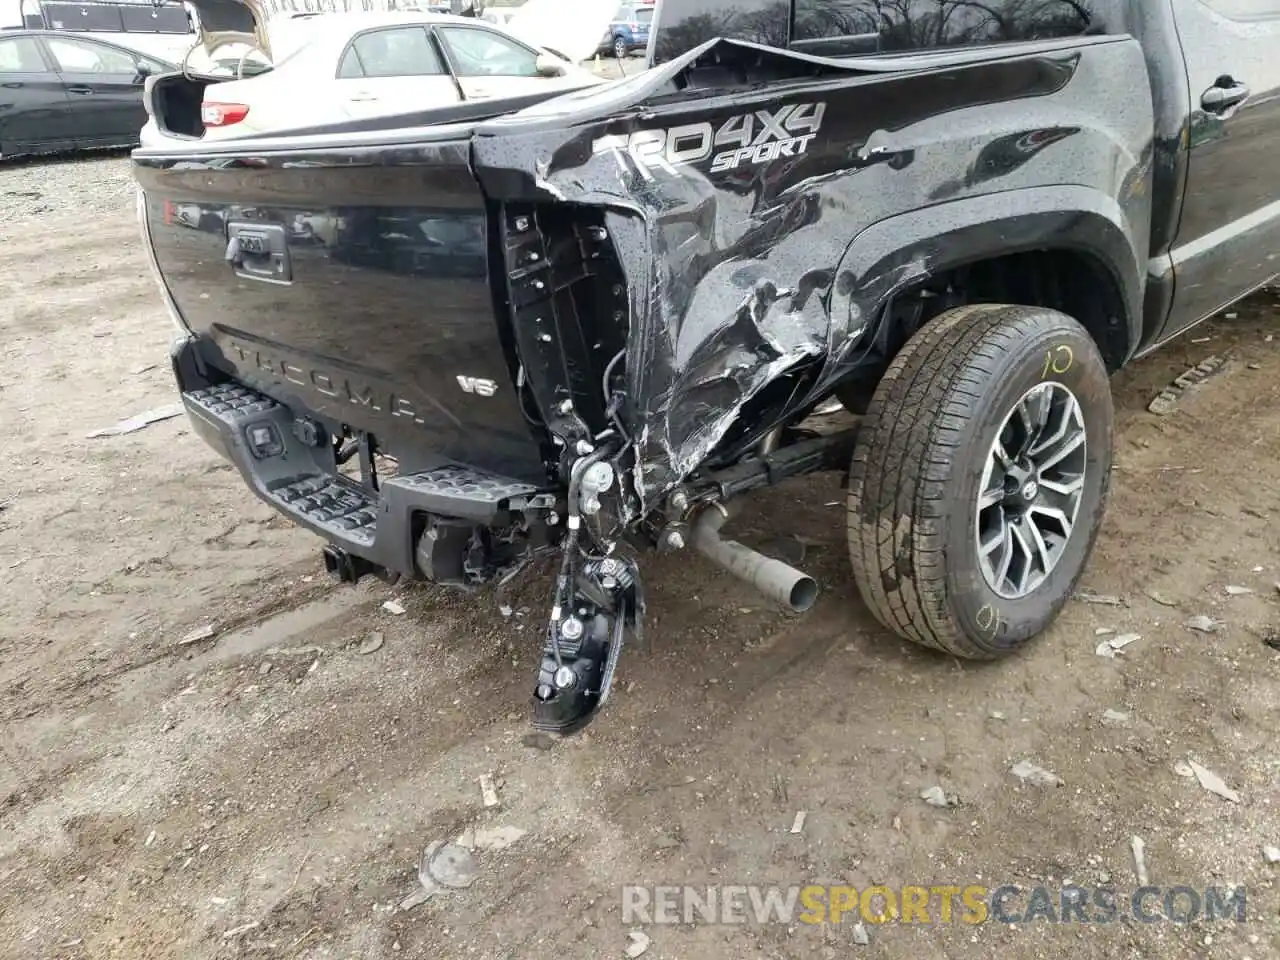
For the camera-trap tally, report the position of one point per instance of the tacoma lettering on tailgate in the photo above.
(336, 386)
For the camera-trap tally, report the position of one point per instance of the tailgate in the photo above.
(356, 290)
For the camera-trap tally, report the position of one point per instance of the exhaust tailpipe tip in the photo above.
(804, 593)
(778, 581)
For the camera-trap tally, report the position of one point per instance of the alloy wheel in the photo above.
(1032, 484)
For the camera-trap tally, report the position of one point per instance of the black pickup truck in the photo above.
(452, 341)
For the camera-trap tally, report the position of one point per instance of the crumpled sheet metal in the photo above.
(739, 278)
(724, 311)
(725, 295)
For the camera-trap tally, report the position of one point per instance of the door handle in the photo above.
(362, 98)
(258, 251)
(1225, 94)
(83, 91)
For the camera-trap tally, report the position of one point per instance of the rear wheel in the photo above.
(979, 478)
(619, 48)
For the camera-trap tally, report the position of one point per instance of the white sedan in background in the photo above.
(361, 65)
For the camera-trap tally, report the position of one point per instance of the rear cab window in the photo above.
(865, 26)
(838, 28)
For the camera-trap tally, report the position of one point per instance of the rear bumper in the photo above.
(424, 525)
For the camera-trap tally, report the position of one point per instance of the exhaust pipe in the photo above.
(778, 581)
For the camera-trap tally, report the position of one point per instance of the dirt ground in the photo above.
(268, 792)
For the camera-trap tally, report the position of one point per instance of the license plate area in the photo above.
(360, 461)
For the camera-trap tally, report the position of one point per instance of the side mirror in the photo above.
(549, 66)
(141, 71)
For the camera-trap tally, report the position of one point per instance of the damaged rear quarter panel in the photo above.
(731, 209)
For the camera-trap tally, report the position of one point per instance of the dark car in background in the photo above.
(63, 92)
(628, 31)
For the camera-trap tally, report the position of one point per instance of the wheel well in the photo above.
(1072, 282)
(1069, 281)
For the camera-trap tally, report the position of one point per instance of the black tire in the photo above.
(620, 48)
(918, 465)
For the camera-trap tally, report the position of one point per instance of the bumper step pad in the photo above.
(331, 502)
(294, 484)
(231, 401)
(302, 482)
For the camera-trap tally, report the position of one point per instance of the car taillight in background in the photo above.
(223, 114)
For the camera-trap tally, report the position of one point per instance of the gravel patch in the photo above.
(86, 186)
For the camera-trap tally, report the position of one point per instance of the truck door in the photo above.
(1228, 240)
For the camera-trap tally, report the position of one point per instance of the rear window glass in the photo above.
(683, 27)
(404, 52)
(21, 55)
(85, 56)
(928, 24)
(644, 14)
(482, 53)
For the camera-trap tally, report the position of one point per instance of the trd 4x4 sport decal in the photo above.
(747, 138)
